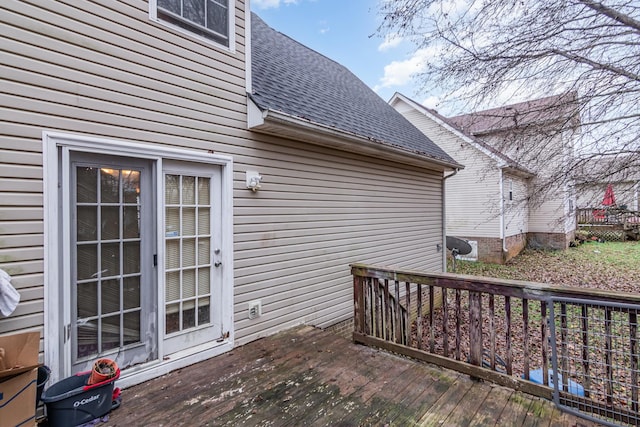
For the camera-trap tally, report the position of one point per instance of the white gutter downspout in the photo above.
(502, 213)
(444, 220)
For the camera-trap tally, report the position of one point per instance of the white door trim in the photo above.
(57, 146)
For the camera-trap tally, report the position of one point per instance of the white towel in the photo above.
(9, 297)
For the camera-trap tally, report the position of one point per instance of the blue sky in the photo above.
(345, 31)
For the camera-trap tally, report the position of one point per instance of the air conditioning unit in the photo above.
(473, 256)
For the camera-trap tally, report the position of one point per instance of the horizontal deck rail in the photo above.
(518, 334)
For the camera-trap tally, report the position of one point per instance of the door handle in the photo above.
(217, 263)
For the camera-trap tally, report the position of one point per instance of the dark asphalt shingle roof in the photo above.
(289, 77)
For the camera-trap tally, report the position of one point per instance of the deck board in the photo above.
(307, 377)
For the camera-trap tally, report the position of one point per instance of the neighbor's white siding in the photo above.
(592, 195)
(104, 69)
(473, 195)
(516, 210)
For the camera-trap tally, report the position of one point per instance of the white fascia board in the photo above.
(266, 120)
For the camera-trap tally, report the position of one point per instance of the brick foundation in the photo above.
(343, 329)
(554, 241)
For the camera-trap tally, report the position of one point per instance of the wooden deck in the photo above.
(308, 377)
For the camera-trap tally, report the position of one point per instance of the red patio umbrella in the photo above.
(609, 197)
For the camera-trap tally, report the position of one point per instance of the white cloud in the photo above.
(272, 4)
(324, 30)
(399, 73)
(432, 102)
(390, 41)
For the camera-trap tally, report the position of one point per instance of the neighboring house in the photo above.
(540, 135)
(487, 202)
(595, 173)
(173, 187)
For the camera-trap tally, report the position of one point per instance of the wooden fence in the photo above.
(518, 334)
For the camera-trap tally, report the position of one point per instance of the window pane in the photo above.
(131, 226)
(172, 189)
(110, 185)
(131, 327)
(110, 259)
(188, 221)
(110, 222)
(204, 251)
(194, 11)
(131, 186)
(204, 221)
(87, 223)
(172, 254)
(131, 257)
(87, 261)
(131, 292)
(188, 190)
(110, 332)
(217, 16)
(189, 315)
(170, 5)
(87, 185)
(87, 300)
(189, 252)
(203, 191)
(110, 296)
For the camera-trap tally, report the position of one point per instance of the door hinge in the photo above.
(155, 260)
(66, 332)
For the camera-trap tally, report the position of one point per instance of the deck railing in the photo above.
(518, 334)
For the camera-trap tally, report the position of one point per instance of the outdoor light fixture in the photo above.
(253, 180)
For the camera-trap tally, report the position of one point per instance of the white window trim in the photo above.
(153, 15)
(54, 215)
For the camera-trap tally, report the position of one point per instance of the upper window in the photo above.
(206, 18)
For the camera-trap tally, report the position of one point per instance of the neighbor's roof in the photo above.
(554, 108)
(290, 78)
(469, 138)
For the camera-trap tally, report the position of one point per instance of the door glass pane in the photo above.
(131, 222)
(131, 252)
(132, 327)
(204, 281)
(131, 186)
(87, 339)
(109, 185)
(204, 251)
(173, 318)
(204, 311)
(172, 226)
(110, 220)
(204, 221)
(203, 190)
(87, 305)
(188, 283)
(188, 190)
(131, 292)
(110, 259)
(87, 261)
(110, 332)
(172, 189)
(87, 223)
(189, 221)
(188, 252)
(87, 185)
(110, 291)
(172, 281)
(172, 254)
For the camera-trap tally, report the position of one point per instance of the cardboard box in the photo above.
(18, 399)
(18, 379)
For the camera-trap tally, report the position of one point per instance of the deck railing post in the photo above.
(475, 328)
(358, 304)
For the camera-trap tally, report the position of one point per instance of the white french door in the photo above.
(193, 263)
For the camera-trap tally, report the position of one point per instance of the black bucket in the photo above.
(43, 377)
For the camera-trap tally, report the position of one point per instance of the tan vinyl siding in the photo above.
(473, 195)
(316, 213)
(104, 69)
